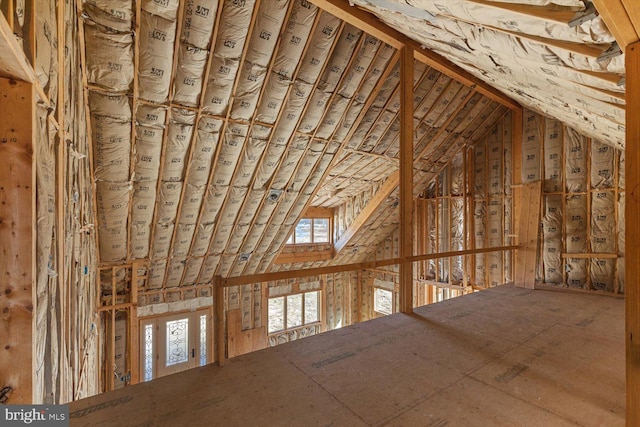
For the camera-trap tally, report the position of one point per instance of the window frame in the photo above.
(303, 312)
(393, 301)
(312, 213)
(312, 220)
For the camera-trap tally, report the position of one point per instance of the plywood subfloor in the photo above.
(506, 356)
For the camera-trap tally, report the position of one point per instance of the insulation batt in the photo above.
(198, 23)
(260, 50)
(236, 16)
(115, 14)
(192, 271)
(155, 56)
(202, 239)
(461, 42)
(187, 86)
(553, 160)
(162, 240)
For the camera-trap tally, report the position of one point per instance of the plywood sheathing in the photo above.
(17, 237)
(480, 351)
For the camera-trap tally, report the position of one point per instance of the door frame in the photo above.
(159, 340)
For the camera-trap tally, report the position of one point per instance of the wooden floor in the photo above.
(506, 356)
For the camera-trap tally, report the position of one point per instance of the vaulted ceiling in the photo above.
(216, 124)
(556, 57)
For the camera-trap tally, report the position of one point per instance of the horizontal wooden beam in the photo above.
(442, 285)
(363, 216)
(591, 255)
(318, 212)
(308, 256)
(292, 274)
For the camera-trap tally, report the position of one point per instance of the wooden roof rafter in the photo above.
(370, 24)
(225, 124)
(330, 139)
(278, 119)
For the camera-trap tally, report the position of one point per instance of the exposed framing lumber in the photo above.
(219, 331)
(389, 68)
(17, 238)
(210, 251)
(632, 234)
(385, 190)
(527, 219)
(289, 274)
(406, 179)
(615, 15)
(307, 256)
(318, 212)
(370, 24)
(13, 61)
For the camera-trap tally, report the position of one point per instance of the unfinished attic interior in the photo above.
(314, 212)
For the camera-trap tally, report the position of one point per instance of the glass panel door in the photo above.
(174, 343)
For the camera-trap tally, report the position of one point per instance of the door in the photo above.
(173, 343)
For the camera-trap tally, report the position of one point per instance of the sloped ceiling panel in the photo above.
(214, 125)
(528, 50)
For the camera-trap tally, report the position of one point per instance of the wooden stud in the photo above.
(528, 218)
(220, 338)
(632, 234)
(616, 213)
(134, 106)
(406, 179)
(588, 189)
(89, 136)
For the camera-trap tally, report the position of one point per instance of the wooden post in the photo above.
(632, 234)
(516, 179)
(220, 339)
(406, 179)
(17, 239)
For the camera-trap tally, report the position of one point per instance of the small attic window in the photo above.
(311, 240)
(311, 230)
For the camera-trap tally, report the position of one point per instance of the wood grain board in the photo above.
(505, 356)
(17, 238)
